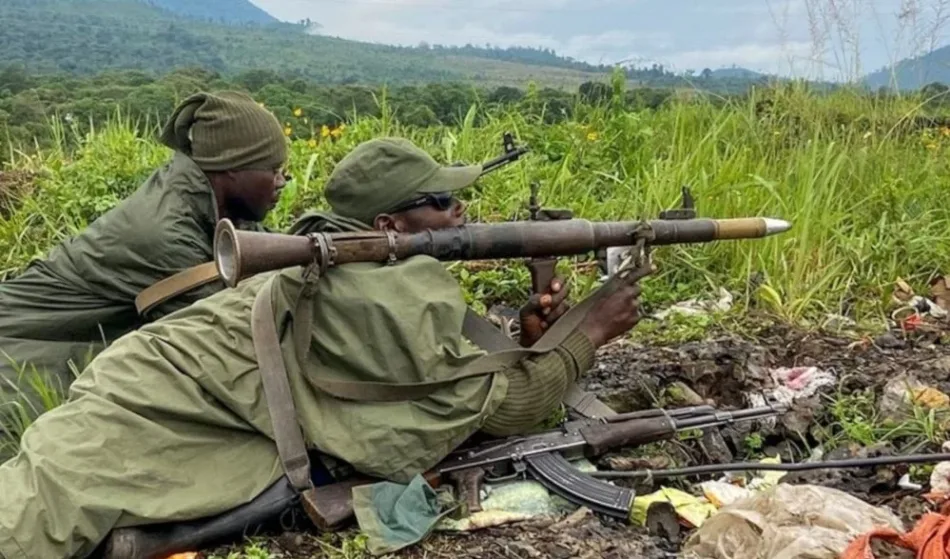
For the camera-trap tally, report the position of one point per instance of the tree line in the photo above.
(30, 104)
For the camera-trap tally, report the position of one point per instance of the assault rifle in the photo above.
(543, 456)
(546, 457)
(510, 153)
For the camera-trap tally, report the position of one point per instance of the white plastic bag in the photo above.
(787, 522)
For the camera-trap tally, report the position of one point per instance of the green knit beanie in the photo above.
(226, 131)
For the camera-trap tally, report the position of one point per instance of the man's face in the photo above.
(251, 194)
(430, 211)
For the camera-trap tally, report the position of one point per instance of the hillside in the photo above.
(914, 73)
(85, 37)
(220, 11)
(88, 36)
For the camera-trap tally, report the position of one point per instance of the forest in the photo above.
(33, 107)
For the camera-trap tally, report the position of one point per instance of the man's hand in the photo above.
(618, 312)
(542, 310)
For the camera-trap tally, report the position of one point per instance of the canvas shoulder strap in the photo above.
(280, 400)
(483, 334)
(494, 361)
(280, 403)
(175, 285)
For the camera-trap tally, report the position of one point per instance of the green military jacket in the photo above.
(171, 422)
(68, 306)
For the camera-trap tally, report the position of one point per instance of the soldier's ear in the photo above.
(385, 222)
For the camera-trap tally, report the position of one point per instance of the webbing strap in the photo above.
(481, 332)
(492, 362)
(280, 401)
(585, 403)
(175, 285)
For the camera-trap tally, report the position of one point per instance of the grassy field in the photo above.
(866, 193)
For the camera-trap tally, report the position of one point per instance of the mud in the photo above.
(722, 370)
(587, 538)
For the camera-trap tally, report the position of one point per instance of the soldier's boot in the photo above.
(162, 540)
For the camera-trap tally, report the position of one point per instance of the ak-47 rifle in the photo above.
(543, 456)
(510, 152)
(546, 458)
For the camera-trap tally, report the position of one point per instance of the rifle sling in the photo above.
(175, 285)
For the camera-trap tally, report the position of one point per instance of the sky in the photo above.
(826, 39)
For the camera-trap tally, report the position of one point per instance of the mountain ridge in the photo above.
(913, 72)
(220, 11)
(85, 37)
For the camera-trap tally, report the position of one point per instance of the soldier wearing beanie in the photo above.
(228, 161)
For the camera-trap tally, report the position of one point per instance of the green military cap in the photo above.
(380, 174)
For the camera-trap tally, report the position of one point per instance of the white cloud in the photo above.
(765, 35)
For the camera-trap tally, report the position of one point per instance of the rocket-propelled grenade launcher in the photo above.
(241, 254)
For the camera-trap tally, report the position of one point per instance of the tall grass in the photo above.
(866, 192)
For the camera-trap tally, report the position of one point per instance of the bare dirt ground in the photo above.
(724, 369)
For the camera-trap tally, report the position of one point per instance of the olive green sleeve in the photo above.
(537, 385)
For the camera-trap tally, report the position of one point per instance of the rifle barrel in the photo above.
(724, 417)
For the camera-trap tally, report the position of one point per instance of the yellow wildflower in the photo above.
(336, 132)
(324, 131)
(945, 131)
(312, 143)
(592, 136)
(288, 131)
(298, 112)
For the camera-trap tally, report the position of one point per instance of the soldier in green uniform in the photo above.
(173, 423)
(228, 160)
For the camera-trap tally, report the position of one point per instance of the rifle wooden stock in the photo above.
(603, 436)
(241, 254)
(330, 507)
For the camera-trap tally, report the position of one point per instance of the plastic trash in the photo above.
(689, 508)
(928, 539)
(513, 501)
(788, 522)
(799, 382)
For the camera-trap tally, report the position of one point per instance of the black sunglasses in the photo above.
(440, 200)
